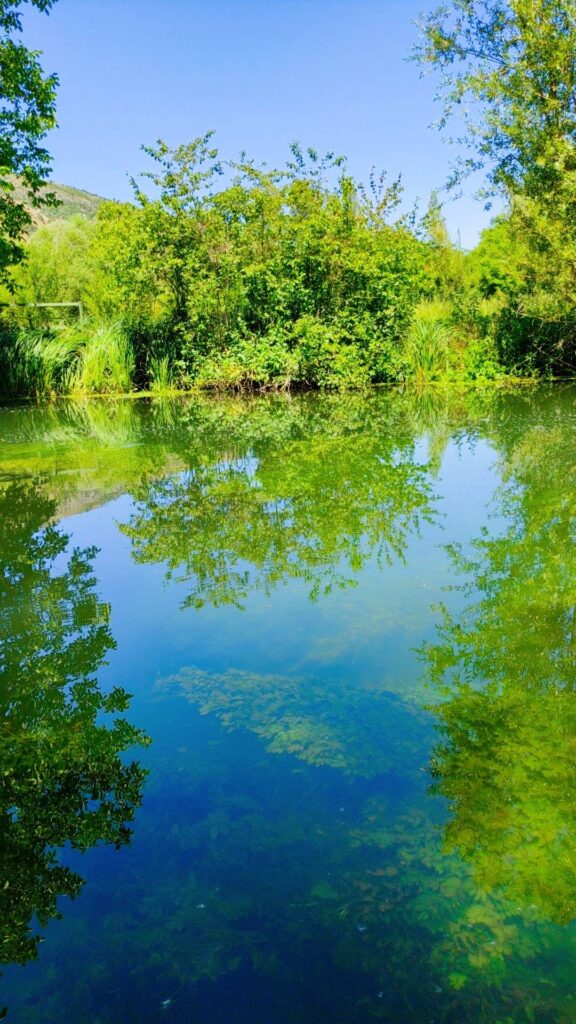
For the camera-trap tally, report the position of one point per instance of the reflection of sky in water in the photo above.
(390, 608)
(264, 883)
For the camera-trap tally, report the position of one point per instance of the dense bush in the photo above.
(298, 277)
(236, 278)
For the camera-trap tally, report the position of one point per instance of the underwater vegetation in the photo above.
(322, 721)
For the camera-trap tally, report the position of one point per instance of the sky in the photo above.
(332, 74)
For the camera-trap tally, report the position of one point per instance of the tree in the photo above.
(174, 226)
(509, 71)
(508, 78)
(27, 112)
(446, 261)
(500, 263)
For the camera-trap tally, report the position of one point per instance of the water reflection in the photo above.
(315, 505)
(62, 779)
(291, 862)
(507, 759)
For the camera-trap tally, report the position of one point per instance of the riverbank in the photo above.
(107, 361)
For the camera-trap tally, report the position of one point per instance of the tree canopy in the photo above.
(507, 81)
(27, 112)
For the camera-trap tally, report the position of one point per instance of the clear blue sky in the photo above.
(330, 73)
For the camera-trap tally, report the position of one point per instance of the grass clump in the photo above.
(35, 363)
(105, 362)
(161, 376)
(427, 347)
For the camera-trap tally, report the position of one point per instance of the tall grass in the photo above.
(433, 311)
(427, 348)
(105, 364)
(35, 363)
(87, 360)
(161, 376)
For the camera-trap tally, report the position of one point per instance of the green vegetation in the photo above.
(310, 718)
(278, 280)
(27, 112)
(508, 82)
(228, 276)
(293, 278)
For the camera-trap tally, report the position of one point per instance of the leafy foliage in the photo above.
(508, 80)
(27, 110)
(273, 279)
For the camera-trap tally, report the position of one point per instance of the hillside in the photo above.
(73, 201)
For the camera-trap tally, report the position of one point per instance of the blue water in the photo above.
(291, 858)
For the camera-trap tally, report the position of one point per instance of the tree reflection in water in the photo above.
(507, 668)
(62, 777)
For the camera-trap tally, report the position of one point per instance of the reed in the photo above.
(105, 364)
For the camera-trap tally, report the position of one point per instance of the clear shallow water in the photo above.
(358, 805)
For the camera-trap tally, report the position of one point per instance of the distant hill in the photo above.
(73, 201)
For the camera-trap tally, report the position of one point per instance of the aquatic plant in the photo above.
(362, 731)
(35, 363)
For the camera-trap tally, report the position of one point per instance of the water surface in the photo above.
(289, 721)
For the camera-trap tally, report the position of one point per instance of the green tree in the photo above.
(446, 260)
(509, 71)
(181, 186)
(500, 263)
(57, 267)
(27, 112)
(508, 81)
